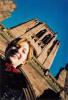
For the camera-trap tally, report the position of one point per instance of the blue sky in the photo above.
(52, 12)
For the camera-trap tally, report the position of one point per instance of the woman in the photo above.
(18, 52)
(14, 82)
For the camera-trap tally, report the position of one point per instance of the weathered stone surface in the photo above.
(23, 28)
(62, 78)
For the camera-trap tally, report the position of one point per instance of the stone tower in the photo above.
(41, 37)
(46, 45)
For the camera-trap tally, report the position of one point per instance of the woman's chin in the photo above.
(14, 59)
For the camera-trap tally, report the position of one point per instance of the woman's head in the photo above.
(19, 51)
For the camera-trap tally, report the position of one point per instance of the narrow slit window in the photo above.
(46, 39)
(39, 34)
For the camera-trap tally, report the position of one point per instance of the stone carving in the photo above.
(6, 7)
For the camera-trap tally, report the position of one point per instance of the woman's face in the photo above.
(20, 56)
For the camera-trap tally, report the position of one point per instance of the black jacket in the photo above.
(11, 84)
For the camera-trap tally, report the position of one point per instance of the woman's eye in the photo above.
(23, 51)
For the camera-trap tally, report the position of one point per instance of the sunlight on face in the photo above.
(21, 55)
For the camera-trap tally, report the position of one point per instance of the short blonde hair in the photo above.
(32, 50)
